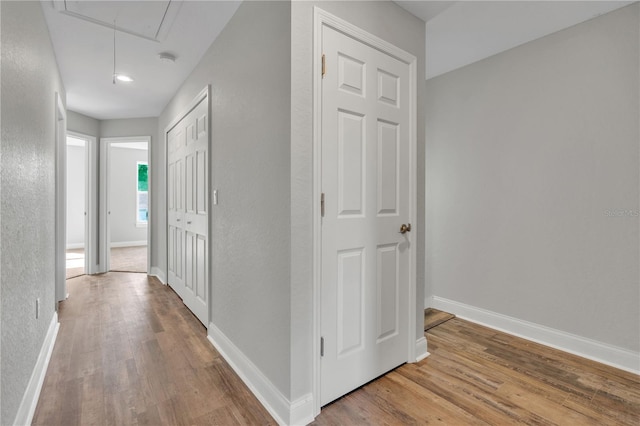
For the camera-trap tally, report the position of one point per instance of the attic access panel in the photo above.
(150, 20)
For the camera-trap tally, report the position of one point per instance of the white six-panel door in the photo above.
(366, 261)
(187, 203)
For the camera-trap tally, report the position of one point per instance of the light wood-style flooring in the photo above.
(129, 352)
(434, 317)
(123, 259)
(129, 259)
(75, 263)
(476, 375)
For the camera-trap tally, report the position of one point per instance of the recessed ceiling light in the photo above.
(125, 78)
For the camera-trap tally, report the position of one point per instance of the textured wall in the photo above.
(248, 67)
(533, 181)
(122, 188)
(28, 82)
(395, 25)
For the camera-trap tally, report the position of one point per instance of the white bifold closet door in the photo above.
(188, 209)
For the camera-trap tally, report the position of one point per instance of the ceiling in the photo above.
(82, 32)
(82, 35)
(459, 33)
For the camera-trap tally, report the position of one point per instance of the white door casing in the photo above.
(188, 208)
(90, 194)
(367, 176)
(61, 201)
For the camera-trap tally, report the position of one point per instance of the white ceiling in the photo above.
(84, 50)
(458, 33)
(462, 32)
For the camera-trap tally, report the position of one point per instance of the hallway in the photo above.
(129, 352)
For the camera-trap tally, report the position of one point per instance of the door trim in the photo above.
(61, 201)
(323, 18)
(91, 202)
(202, 95)
(104, 241)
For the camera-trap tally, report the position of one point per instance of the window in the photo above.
(142, 194)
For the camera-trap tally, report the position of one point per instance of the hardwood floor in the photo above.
(75, 263)
(123, 259)
(435, 317)
(129, 259)
(129, 352)
(476, 375)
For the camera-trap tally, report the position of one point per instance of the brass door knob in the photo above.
(405, 228)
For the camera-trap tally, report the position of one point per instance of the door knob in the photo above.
(405, 228)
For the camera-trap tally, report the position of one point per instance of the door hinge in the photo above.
(324, 66)
(322, 205)
(322, 346)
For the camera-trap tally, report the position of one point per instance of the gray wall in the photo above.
(145, 126)
(248, 67)
(80, 123)
(123, 190)
(533, 181)
(29, 81)
(395, 25)
(76, 158)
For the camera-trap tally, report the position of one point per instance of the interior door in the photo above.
(366, 261)
(188, 212)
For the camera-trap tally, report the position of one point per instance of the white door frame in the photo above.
(61, 202)
(90, 202)
(105, 227)
(204, 94)
(322, 18)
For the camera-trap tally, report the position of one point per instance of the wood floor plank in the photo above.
(434, 317)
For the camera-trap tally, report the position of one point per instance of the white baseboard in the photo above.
(128, 244)
(285, 412)
(29, 401)
(301, 410)
(604, 353)
(159, 274)
(71, 246)
(421, 349)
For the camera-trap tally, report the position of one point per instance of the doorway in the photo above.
(77, 209)
(365, 183)
(125, 200)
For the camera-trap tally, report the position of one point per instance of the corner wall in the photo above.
(29, 82)
(248, 68)
(533, 182)
(83, 124)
